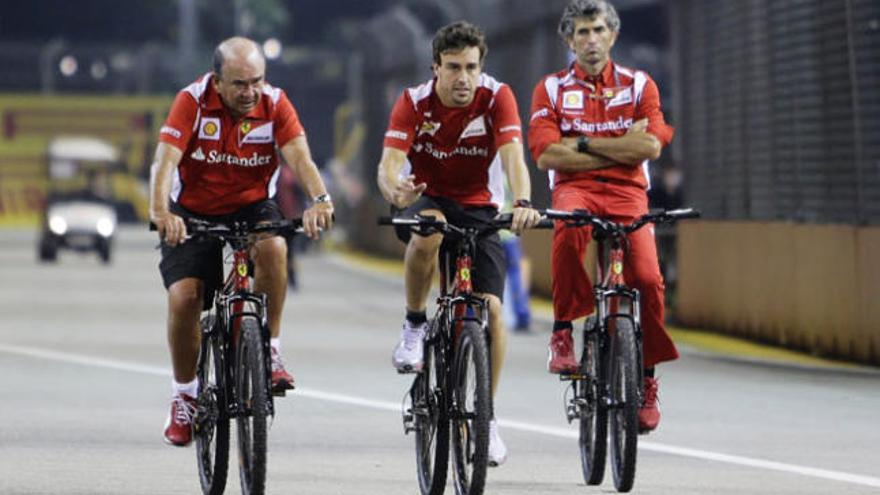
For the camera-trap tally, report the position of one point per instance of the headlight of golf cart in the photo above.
(57, 225)
(105, 227)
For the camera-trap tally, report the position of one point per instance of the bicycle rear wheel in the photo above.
(431, 422)
(623, 380)
(252, 393)
(593, 439)
(211, 426)
(471, 411)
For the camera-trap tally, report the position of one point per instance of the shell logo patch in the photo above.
(210, 128)
(573, 100)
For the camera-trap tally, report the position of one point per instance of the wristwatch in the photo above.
(583, 144)
(321, 198)
(522, 203)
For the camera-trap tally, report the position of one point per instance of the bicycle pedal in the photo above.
(566, 377)
(279, 393)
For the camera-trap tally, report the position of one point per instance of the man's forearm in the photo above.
(160, 187)
(308, 173)
(630, 149)
(564, 158)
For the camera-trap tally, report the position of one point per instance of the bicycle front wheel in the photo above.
(471, 410)
(623, 381)
(252, 394)
(211, 425)
(431, 423)
(593, 439)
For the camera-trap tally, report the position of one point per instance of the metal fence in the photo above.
(778, 108)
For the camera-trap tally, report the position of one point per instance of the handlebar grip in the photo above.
(545, 223)
(684, 213)
(386, 221)
(503, 218)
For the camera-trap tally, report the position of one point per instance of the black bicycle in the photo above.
(609, 379)
(234, 366)
(452, 392)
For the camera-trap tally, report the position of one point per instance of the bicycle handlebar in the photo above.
(580, 218)
(429, 223)
(197, 228)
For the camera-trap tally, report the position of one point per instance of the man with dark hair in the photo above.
(217, 159)
(448, 143)
(594, 126)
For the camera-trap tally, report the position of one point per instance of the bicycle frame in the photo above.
(234, 302)
(607, 389)
(611, 295)
(455, 301)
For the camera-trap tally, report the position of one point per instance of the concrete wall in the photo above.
(811, 287)
(808, 287)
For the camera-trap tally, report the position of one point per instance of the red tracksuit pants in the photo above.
(572, 291)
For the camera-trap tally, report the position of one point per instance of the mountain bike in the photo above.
(607, 390)
(234, 366)
(450, 400)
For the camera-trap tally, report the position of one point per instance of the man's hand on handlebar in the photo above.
(171, 227)
(318, 217)
(524, 218)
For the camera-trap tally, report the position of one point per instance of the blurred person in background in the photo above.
(452, 130)
(217, 159)
(517, 310)
(292, 202)
(594, 126)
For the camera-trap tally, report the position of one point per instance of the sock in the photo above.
(416, 318)
(191, 388)
(275, 342)
(649, 372)
(561, 325)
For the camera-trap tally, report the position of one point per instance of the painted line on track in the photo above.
(96, 362)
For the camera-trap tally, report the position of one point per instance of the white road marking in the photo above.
(97, 362)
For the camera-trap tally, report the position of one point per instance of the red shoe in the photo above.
(649, 414)
(282, 381)
(561, 353)
(179, 425)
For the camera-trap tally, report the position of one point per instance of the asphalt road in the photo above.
(84, 388)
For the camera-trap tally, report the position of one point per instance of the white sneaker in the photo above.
(497, 449)
(409, 355)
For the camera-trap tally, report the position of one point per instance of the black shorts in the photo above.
(203, 259)
(490, 262)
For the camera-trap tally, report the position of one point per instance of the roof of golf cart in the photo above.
(83, 148)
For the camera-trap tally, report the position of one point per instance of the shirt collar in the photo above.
(212, 98)
(606, 77)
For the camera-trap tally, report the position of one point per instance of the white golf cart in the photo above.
(80, 214)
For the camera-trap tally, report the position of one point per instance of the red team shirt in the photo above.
(227, 163)
(453, 149)
(570, 103)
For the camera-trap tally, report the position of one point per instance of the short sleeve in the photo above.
(402, 124)
(505, 117)
(287, 125)
(543, 123)
(181, 121)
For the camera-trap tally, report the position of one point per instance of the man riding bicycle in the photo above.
(448, 142)
(594, 126)
(217, 159)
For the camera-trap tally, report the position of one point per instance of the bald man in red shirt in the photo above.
(594, 126)
(217, 159)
